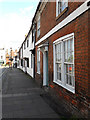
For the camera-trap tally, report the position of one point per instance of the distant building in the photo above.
(15, 59)
(11, 58)
(27, 53)
(7, 58)
(2, 56)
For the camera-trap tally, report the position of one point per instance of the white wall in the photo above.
(27, 54)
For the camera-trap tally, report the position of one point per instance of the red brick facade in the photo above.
(78, 103)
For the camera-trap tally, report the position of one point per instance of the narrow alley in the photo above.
(21, 97)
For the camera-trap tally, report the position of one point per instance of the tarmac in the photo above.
(21, 97)
(0, 93)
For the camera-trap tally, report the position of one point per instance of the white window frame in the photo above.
(59, 8)
(62, 82)
(38, 61)
(38, 27)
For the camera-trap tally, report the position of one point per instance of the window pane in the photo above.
(38, 24)
(69, 74)
(38, 28)
(58, 76)
(68, 57)
(73, 70)
(70, 50)
(68, 45)
(72, 45)
(70, 80)
(56, 52)
(59, 6)
(67, 79)
(65, 51)
(66, 69)
(73, 79)
(63, 5)
(59, 52)
(72, 57)
(59, 71)
(70, 69)
(65, 46)
(65, 57)
(59, 67)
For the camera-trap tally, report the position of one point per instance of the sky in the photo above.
(15, 21)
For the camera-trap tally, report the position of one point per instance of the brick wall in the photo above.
(48, 19)
(79, 100)
(89, 59)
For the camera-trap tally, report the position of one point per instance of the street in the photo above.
(0, 80)
(0, 93)
(21, 97)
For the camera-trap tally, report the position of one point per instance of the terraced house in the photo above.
(62, 54)
(26, 54)
(56, 52)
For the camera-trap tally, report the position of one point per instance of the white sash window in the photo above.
(60, 6)
(64, 62)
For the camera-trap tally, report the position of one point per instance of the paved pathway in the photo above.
(0, 93)
(21, 97)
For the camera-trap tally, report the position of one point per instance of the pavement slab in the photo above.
(21, 97)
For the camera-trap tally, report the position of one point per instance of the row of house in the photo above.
(26, 54)
(5, 57)
(56, 52)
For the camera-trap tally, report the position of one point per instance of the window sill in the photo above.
(69, 88)
(61, 13)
